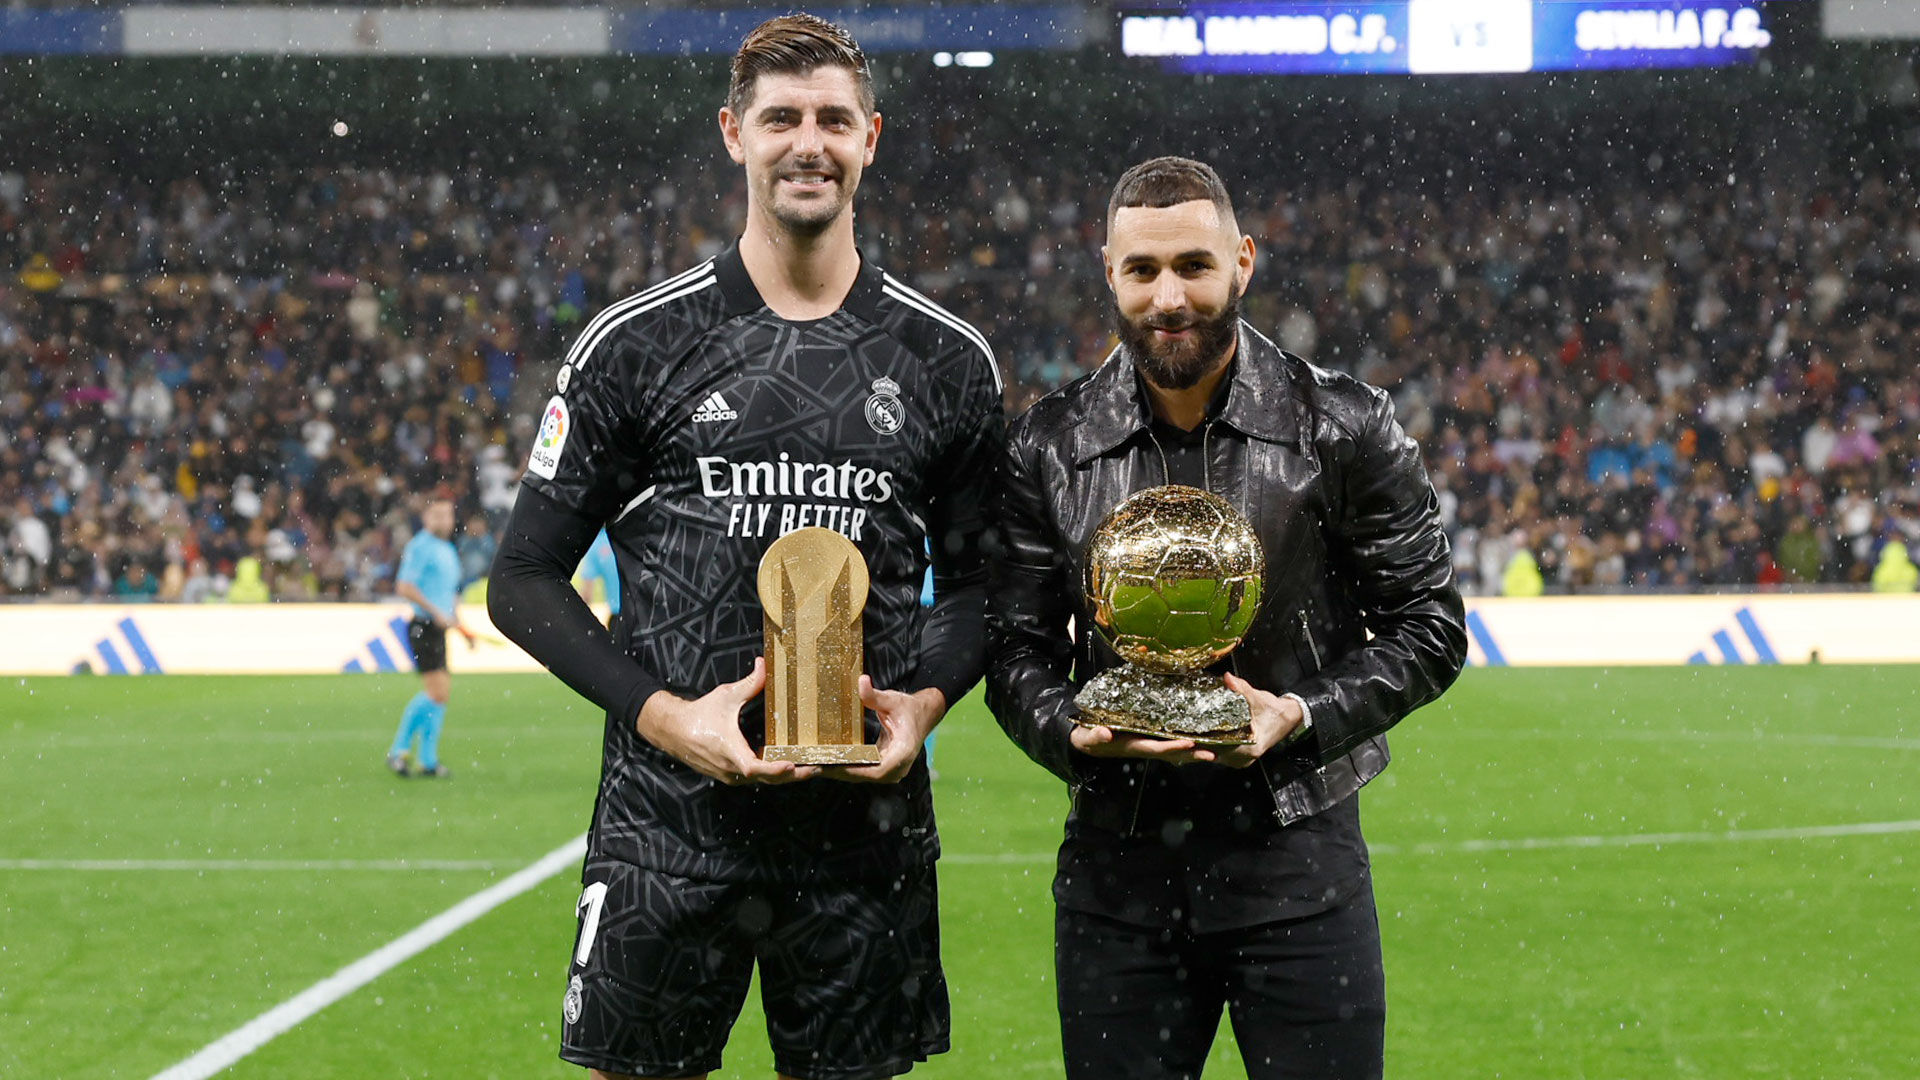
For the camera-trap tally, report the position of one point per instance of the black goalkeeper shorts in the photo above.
(850, 975)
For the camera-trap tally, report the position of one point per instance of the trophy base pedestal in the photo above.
(824, 754)
(1194, 706)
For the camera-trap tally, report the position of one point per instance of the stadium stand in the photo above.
(1674, 382)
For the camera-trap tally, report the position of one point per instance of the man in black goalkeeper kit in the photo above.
(786, 383)
(1192, 879)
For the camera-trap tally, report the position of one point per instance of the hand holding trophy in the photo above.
(1174, 578)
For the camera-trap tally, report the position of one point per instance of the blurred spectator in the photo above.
(1895, 572)
(1800, 556)
(135, 585)
(29, 549)
(499, 483)
(200, 586)
(248, 586)
(476, 547)
(1522, 576)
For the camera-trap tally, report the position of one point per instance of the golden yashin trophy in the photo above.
(1174, 578)
(813, 589)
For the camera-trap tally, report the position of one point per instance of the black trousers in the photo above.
(1307, 997)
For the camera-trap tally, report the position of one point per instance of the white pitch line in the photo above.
(995, 858)
(250, 865)
(1727, 836)
(276, 1021)
(1742, 738)
(1542, 843)
(105, 741)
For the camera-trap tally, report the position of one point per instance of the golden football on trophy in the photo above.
(1174, 579)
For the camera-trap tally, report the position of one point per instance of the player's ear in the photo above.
(1106, 266)
(1243, 261)
(730, 134)
(873, 138)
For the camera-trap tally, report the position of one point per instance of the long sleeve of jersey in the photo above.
(953, 643)
(531, 599)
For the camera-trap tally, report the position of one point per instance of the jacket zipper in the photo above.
(1166, 477)
(1306, 631)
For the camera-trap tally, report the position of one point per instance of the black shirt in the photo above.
(699, 427)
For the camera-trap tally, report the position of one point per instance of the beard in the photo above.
(810, 217)
(1179, 365)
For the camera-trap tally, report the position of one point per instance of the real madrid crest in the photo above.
(885, 412)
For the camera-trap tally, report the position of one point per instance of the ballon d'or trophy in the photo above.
(813, 588)
(1173, 578)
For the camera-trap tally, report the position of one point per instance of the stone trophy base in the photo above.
(1194, 706)
(823, 754)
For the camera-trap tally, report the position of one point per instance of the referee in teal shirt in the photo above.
(429, 577)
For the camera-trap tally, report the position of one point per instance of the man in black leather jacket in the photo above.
(1192, 879)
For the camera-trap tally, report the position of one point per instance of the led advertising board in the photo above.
(1429, 37)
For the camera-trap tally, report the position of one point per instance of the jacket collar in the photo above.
(1260, 400)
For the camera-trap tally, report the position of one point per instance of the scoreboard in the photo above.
(1428, 37)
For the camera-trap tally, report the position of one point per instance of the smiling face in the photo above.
(1177, 275)
(804, 140)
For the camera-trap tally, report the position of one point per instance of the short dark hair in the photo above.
(794, 45)
(1170, 181)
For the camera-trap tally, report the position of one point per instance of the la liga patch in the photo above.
(555, 424)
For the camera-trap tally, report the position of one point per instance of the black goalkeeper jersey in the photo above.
(699, 427)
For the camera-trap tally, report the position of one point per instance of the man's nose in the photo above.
(807, 139)
(1169, 293)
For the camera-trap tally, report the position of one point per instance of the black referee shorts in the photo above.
(428, 640)
(1306, 996)
(850, 975)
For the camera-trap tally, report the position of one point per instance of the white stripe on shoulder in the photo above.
(585, 346)
(635, 504)
(905, 294)
(614, 310)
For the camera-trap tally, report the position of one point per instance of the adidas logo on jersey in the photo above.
(714, 408)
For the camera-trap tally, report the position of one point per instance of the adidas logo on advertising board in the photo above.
(714, 408)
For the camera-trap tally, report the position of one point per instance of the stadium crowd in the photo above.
(247, 383)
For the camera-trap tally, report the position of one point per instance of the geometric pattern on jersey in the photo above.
(879, 420)
(850, 974)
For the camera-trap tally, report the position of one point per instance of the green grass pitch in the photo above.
(1581, 874)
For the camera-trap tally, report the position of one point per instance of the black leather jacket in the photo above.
(1361, 617)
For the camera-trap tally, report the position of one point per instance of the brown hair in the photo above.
(1170, 181)
(795, 45)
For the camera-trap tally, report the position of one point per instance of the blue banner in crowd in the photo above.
(692, 32)
(202, 30)
(59, 31)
